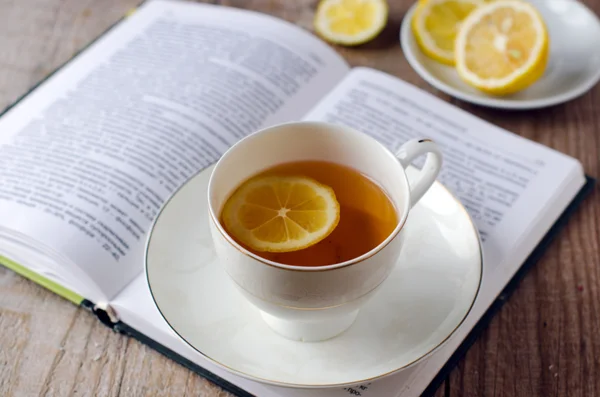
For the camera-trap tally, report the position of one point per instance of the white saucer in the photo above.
(417, 308)
(573, 67)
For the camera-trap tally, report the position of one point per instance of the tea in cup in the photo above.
(307, 220)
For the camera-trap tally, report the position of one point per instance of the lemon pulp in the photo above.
(281, 213)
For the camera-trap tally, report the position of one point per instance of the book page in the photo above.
(88, 158)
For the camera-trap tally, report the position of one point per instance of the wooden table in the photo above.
(544, 342)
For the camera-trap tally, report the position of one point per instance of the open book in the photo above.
(89, 156)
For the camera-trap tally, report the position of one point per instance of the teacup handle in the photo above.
(433, 163)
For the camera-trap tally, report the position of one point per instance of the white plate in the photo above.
(573, 66)
(418, 307)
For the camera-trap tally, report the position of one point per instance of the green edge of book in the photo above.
(43, 281)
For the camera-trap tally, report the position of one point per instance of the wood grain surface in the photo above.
(544, 342)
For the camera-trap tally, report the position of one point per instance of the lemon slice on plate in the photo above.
(350, 22)
(436, 23)
(502, 47)
(281, 214)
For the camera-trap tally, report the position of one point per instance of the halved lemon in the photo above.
(502, 47)
(350, 22)
(281, 213)
(436, 23)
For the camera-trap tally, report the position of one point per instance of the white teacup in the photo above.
(316, 303)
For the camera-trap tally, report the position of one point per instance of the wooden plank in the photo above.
(544, 341)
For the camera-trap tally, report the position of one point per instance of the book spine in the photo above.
(103, 312)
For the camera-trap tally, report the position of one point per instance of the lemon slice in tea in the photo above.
(281, 213)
